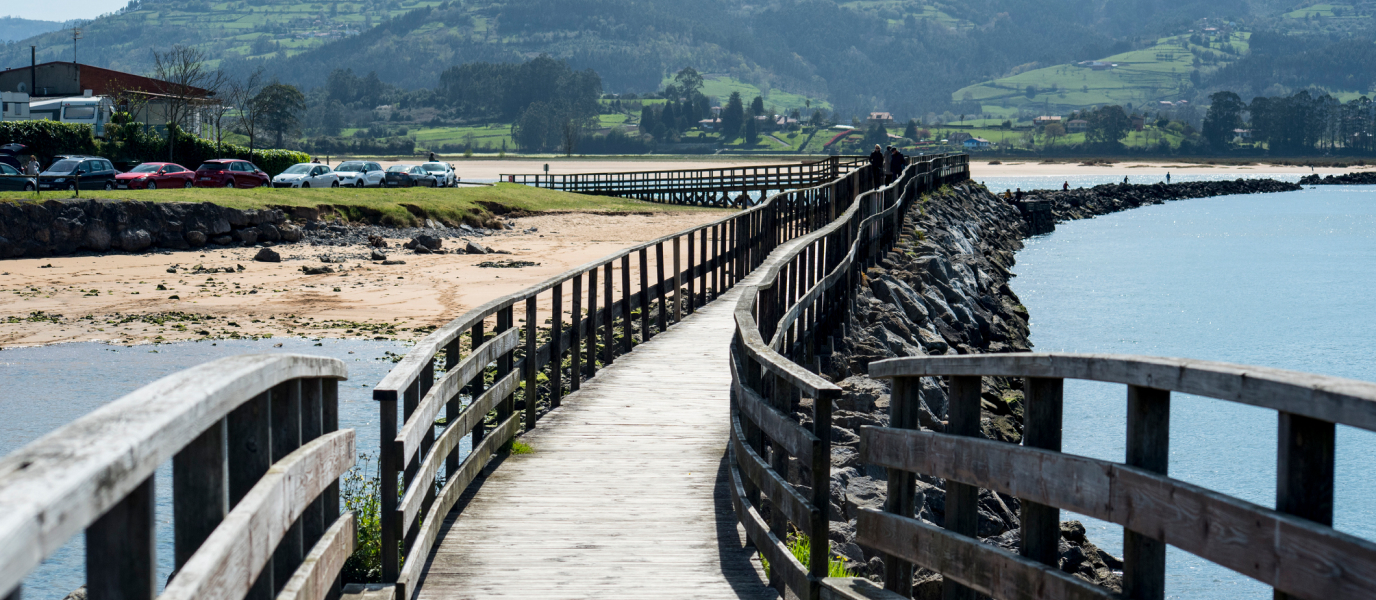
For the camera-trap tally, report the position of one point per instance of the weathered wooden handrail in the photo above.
(799, 299)
(717, 255)
(256, 458)
(1293, 549)
(706, 187)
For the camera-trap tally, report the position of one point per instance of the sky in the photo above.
(59, 11)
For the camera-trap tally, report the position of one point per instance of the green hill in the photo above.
(15, 28)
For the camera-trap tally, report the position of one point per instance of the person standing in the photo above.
(897, 161)
(32, 169)
(877, 163)
(1168, 177)
(1018, 195)
(432, 157)
(1065, 187)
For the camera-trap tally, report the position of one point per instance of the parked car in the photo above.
(443, 172)
(11, 180)
(360, 173)
(306, 175)
(154, 175)
(409, 176)
(86, 172)
(232, 173)
(14, 155)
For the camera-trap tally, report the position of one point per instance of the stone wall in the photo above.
(63, 227)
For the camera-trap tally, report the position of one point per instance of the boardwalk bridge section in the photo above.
(659, 388)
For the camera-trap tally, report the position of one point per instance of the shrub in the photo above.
(49, 138)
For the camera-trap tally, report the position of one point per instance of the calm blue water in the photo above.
(1054, 182)
(66, 381)
(1279, 280)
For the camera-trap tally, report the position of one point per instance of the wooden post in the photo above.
(506, 318)
(644, 295)
(532, 392)
(678, 282)
(476, 386)
(286, 438)
(121, 556)
(199, 498)
(576, 336)
(1148, 447)
(692, 272)
(608, 319)
(1304, 470)
(1041, 524)
(627, 325)
(313, 522)
(962, 500)
(903, 408)
(592, 322)
(250, 439)
(556, 353)
(661, 321)
(703, 264)
(452, 358)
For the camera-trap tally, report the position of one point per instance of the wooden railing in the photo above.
(1293, 549)
(256, 456)
(799, 301)
(514, 357)
(707, 187)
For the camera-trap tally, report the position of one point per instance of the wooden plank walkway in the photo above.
(625, 495)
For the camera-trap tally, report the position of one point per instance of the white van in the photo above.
(90, 110)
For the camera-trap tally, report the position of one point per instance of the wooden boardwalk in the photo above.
(625, 495)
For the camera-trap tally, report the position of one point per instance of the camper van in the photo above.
(88, 109)
(15, 106)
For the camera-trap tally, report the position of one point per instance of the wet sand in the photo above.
(134, 299)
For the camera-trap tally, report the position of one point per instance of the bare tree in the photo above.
(569, 137)
(243, 95)
(188, 82)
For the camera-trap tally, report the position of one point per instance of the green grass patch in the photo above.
(801, 548)
(406, 207)
(519, 447)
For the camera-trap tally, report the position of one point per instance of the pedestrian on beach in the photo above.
(1168, 177)
(877, 163)
(1125, 180)
(1065, 187)
(897, 161)
(1018, 195)
(1008, 194)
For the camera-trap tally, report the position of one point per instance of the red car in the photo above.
(232, 173)
(154, 175)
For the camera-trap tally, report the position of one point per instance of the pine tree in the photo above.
(733, 117)
(757, 106)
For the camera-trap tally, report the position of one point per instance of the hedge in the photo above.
(131, 143)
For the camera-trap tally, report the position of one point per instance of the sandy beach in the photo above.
(170, 296)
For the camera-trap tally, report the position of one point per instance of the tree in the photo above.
(188, 82)
(569, 139)
(1225, 115)
(1053, 132)
(910, 131)
(280, 105)
(243, 95)
(757, 106)
(752, 131)
(689, 81)
(1107, 125)
(732, 117)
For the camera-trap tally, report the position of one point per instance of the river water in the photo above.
(1279, 280)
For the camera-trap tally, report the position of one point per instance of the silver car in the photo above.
(443, 172)
(358, 173)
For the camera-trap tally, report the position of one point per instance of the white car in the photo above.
(306, 175)
(443, 172)
(359, 173)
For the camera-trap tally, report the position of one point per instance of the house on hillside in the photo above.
(1045, 120)
(957, 137)
(1097, 65)
(1138, 122)
(1077, 126)
(975, 143)
(712, 124)
(880, 118)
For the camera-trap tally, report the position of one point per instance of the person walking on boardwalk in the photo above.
(877, 163)
(897, 161)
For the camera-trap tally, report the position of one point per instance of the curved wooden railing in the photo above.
(1293, 549)
(799, 301)
(256, 457)
(477, 392)
(711, 187)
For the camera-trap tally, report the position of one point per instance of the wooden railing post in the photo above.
(678, 281)
(576, 336)
(477, 385)
(313, 522)
(1304, 470)
(1042, 422)
(962, 500)
(661, 320)
(121, 556)
(820, 558)
(286, 438)
(506, 319)
(556, 352)
(592, 322)
(904, 401)
(644, 295)
(1148, 446)
(250, 455)
(627, 324)
(199, 498)
(532, 393)
(608, 319)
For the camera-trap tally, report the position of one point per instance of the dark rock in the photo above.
(247, 235)
(291, 233)
(421, 249)
(377, 241)
(222, 240)
(267, 255)
(135, 240)
(475, 248)
(312, 270)
(267, 232)
(196, 238)
(377, 255)
(393, 262)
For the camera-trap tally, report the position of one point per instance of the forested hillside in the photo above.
(14, 28)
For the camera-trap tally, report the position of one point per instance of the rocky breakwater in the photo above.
(943, 290)
(1363, 178)
(63, 227)
(1084, 203)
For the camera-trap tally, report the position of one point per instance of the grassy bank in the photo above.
(476, 206)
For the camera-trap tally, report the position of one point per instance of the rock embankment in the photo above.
(1108, 198)
(943, 290)
(63, 227)
(1362, 178)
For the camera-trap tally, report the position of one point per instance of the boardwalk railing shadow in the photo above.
(256, 457)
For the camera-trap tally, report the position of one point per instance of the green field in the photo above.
(404, 207)
(1142, 77)
(721, 86)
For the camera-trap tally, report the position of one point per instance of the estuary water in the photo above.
(48, 387)
(1278, 280)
